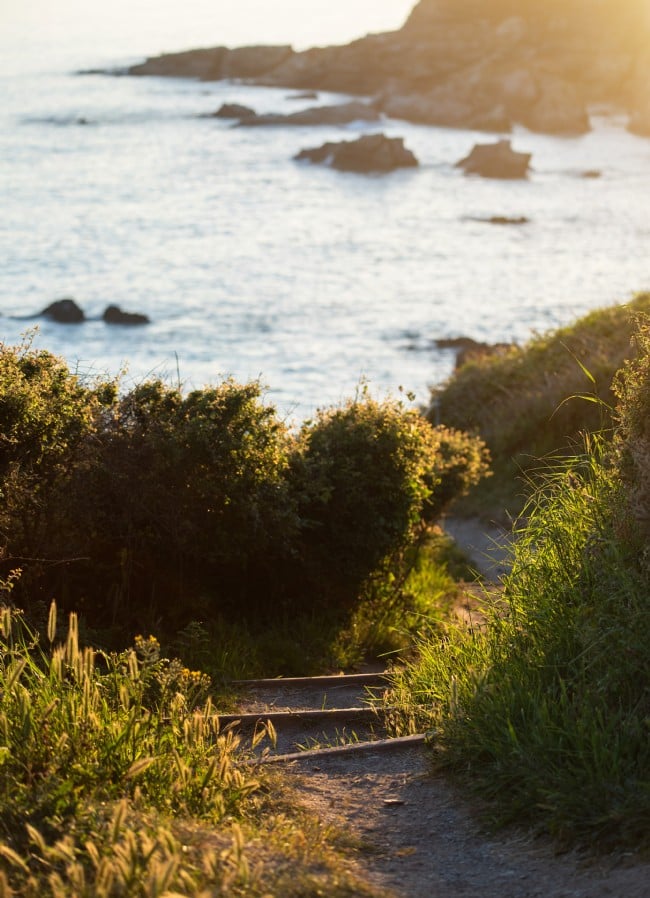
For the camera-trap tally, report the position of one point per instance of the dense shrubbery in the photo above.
(520, 402)
(156, 508)
(547, 706)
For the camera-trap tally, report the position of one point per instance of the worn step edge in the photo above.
(299, 714)
(366, 679)
(314, 754)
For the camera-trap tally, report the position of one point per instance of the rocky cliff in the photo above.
(468, 63)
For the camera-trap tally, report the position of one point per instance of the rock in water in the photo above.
(234, 110)
(370, 153)
(340, 114)
(495, 160)
(65, 311)
(115, 315)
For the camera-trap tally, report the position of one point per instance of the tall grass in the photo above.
(546, 709)
(117, 781)
(90, 741)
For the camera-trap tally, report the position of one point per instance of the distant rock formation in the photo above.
(370, 153)
(233, 110)
(503, 219)
(467, 63)
(495, 160)
(115, 315)
(469, 350)
(340, 114)
(640, 121)
(64, 311)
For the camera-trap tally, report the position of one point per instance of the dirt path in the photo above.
(421, 838)
(418, 836)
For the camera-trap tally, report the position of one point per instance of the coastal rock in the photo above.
(446, 107)
(639, 122)
(495, 160)
(340, 114)
(253, 62)
(233, 110)
(559, 110)
(465, 63)
(115, 315)
(469, 350)
(203, 64)
(215, 63)
(64, 311)
(370, 153)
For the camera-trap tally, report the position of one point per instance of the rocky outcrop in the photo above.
(467, 63)
(468, 350)
(115, 315)
(370, 153)
(64, 311)
(340, 114)
(215, 63)
(495, 160)
(233, 110)
(557, 110)
(640, 122)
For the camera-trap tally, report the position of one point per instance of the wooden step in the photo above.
(300, 715)
(340, 680)
(313, 754)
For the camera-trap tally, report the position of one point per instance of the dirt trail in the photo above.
(418, 836)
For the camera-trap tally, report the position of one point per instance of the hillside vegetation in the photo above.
(533, 403)
(546, 708)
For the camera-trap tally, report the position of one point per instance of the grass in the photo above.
(546, 711)
(116, 779)
(528, 406)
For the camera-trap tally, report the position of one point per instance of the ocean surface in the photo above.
(251, 265)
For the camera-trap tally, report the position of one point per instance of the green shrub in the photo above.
(370, 476)
(185, 504)
(46, 416)
(156, 508)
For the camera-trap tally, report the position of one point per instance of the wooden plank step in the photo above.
(300, 714)
(395, 744)
(340, 680)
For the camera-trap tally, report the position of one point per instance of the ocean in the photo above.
(117, 190)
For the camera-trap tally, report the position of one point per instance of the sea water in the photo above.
(118, 190)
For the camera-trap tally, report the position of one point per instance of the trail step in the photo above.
(313, 754)
(299, 715)
(342, 680)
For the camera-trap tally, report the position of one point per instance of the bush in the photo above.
(47, 417)
(186, 504)
(153, 509)
(369, 477)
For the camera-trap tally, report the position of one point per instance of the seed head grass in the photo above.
(116, 779)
